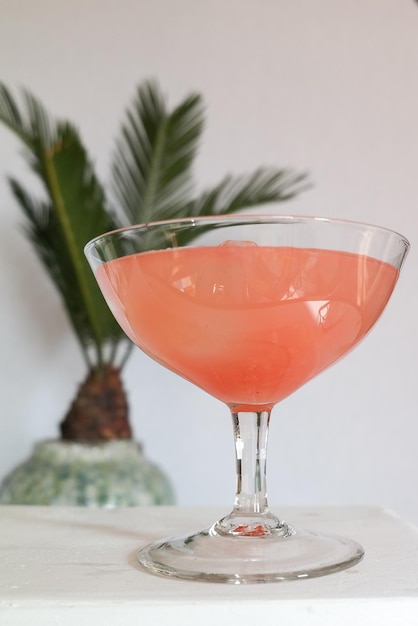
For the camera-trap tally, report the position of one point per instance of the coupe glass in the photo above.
(248, 308)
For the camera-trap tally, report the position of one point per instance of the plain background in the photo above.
(327, 86)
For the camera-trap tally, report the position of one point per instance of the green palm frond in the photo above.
(153, 159)
(152, 171)
(10, 116)
(72, 212)
(238, 193)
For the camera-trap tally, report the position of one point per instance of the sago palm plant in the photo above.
(151, 179)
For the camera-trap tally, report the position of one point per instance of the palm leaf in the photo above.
(10, 116)
(238, 193)
(152, 171)
(152, 164)
(73, 211)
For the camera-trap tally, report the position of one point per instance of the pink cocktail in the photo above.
(248, 309)
(248, 324)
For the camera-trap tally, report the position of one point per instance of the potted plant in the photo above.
(152, 179)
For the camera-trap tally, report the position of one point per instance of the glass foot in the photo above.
(250, 557)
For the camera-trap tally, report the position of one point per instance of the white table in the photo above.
(61, 566)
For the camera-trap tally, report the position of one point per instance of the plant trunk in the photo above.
(99, 411)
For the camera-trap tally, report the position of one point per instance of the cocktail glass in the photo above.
(248, 308)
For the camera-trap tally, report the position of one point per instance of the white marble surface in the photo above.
(64, 566)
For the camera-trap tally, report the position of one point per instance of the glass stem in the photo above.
(250, 515)
(250, 435)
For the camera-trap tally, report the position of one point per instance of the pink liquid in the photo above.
(248, 324)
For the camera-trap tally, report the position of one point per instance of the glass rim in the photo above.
(249, 218)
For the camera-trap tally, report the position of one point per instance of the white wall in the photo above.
(330, 86)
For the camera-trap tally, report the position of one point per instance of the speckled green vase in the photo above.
(111, 474)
